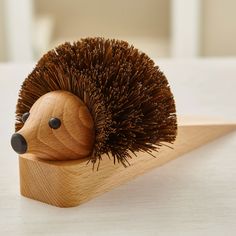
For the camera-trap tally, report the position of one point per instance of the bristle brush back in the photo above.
(128, 97)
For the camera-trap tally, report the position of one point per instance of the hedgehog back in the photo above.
(128, 96)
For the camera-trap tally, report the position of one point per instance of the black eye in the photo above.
(25, 117)
(54, 123)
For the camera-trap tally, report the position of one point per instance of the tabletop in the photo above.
(192, 195)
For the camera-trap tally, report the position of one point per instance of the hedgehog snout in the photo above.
(18, 143)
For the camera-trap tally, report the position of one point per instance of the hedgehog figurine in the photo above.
(91, 98)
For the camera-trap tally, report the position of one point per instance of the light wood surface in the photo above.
(72, 140)
(70, 183)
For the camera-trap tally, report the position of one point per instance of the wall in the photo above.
(218, 27)
(147, 21)
(2, 35)
(145, 24)
(118, 18)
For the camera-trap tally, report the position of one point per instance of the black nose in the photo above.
(18, 143)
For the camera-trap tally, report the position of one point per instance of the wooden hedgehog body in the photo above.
(124, 103)
(91, 98)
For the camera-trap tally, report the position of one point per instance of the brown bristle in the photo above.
(128, 96)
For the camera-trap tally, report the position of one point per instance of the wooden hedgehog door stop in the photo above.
(93, 115)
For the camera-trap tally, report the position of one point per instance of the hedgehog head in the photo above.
(57, 127)
(94, 97)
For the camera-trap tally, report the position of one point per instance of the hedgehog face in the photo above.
(57, 127)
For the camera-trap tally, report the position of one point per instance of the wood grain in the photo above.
(70, 183)
(72, 140)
